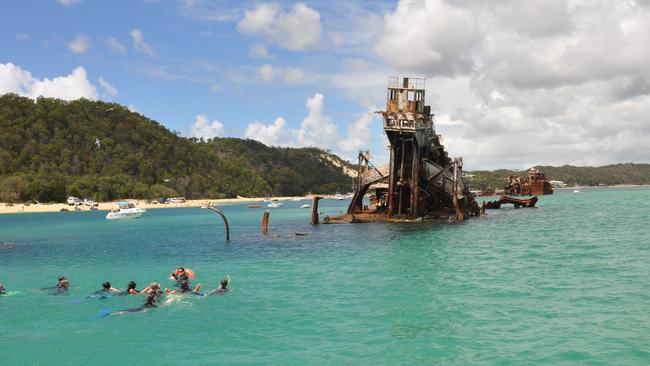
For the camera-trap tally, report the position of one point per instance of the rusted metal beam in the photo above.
(265, 223)
(314, 210)
(225, 220)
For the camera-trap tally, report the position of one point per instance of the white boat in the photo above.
(125, 210)
(275, 204)
(305, 206)
(296, 199)
(339, 196)
(576, 189)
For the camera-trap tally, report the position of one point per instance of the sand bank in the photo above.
(106, 206)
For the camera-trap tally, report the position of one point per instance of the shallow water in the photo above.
(564, 283)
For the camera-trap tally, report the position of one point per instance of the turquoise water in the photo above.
(565, 283)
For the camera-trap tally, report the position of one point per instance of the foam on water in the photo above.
(564, 283)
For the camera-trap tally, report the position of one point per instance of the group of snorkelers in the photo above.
(181, 275)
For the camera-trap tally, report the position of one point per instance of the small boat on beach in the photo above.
(125, 210)
(275, 204)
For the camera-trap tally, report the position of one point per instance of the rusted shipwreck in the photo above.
(421, 181)
(516, 202)
(534, 185)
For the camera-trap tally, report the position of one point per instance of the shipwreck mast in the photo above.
(406, 122)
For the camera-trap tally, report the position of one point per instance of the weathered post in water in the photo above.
(314, 210)
(265, 223)
(225, 221)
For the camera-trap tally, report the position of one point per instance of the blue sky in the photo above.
(499, 75)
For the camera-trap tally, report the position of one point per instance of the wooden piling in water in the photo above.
(265, 223)
(314, 210)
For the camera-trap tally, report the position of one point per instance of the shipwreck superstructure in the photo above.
(535, 184)
(421, 180)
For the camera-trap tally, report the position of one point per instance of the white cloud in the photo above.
(217, 88)
(274, 134)
(359, 133)
(267, 73)
(139, 43)
(68, 2)
(22, 36)
(428, 37)
(316, 129)
(107, 87)
(290, 75)
(515, 82)
(298, 29)
(116, 45)
(14, 79)
(79, 44)
(293, 75)
(203, 128)
(258, 51)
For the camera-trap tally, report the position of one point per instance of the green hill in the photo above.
(49, 151)
(587, 176)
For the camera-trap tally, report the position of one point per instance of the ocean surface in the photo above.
(566, 283)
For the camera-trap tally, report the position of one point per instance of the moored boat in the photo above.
(125, 210)
(275, 204)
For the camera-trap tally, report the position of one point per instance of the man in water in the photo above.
(3, 291)
(185, 287)
(63, 284)
(106, 290)
(223, 287)
(106, 287)
(149, 303)
(178, 274)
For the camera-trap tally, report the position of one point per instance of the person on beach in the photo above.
(223, 287)
(185, 287)
(2, 289)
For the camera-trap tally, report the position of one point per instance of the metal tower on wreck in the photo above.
(422, 180)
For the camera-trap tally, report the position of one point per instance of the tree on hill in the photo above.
(51, 149)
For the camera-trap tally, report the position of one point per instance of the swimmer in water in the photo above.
(223, 287)
(105, 292)
(149, 303)
(63, 284)
(106, 287)
(130, 290)
(153, 288)
(185, 287)
(3, 290)
(178, 274)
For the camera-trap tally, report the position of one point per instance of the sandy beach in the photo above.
(106, 206)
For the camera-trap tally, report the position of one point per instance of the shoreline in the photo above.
(18, 208)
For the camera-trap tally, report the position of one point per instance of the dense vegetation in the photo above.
(571, 175)
(51, 149)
